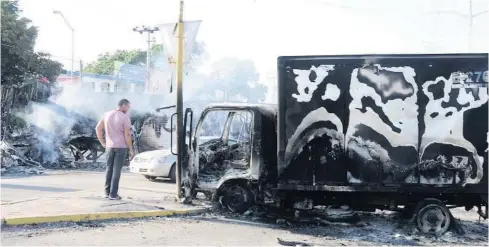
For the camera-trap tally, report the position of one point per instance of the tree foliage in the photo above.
(104, 64)
(22, 68)
(20, 63)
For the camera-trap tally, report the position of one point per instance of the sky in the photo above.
(261, 30)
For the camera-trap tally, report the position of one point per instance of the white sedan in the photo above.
(158, 163)
(153, 164)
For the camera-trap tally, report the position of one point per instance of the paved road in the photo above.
(220, 231)
(380, 229)
(54, 183)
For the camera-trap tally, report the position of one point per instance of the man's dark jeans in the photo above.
(115, 161)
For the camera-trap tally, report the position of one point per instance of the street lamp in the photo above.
(149, 30)
(56, 12)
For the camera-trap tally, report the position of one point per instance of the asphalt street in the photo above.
(217, 230)
(18, 188)
(380, 228)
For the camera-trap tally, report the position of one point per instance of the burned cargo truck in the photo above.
(368, 131)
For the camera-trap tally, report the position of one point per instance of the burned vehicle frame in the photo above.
(232, 170)
(396, 132)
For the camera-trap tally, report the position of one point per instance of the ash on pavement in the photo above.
(380, 228)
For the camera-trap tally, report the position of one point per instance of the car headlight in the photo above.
(161, 160)
(139, 159)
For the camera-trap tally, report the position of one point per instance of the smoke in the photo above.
(84, 101)
(74, 112)
(75, 109)
(51, 126)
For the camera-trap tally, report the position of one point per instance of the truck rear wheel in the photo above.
(237, 198)
(432, 217)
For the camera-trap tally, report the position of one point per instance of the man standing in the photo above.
(117, 142)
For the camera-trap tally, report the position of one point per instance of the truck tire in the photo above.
(432, 217)
(149, 177)
(237, 198)
(173, 174)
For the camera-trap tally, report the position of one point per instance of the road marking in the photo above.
(97, 216)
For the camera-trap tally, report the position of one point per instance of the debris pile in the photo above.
(14, 161)
(50, 138)
(70, 143)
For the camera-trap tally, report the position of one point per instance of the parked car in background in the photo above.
(158, 163)
(153, 164)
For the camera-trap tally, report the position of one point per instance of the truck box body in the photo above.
(383, 121)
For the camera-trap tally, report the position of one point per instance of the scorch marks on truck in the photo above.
(308, 81)
(383, 126)
(444, 113)
(395, 129)
(323, 123)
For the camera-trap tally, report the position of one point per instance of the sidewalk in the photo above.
(92, 205)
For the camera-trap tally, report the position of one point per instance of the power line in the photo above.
(149, 31)
(470, 16)
(365, 10)
(397, 12)
(64, 58)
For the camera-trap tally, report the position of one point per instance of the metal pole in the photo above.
(471, 21)
(149, 30)
(73, 53)
(148, 60)
(56, 12)
(471, 17)
(81, 70)
(180, 127)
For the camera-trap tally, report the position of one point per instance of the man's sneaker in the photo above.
(117, 197)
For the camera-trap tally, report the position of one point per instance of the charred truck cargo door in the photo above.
(383, 121)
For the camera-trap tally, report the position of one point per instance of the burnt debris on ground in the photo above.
(342, 223)
(69, 141)
(366, 228)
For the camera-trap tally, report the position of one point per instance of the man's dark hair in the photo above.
(123, 102)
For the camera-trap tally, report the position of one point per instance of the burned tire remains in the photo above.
(237, 198)
(432, 217)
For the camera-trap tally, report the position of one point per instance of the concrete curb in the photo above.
(97, 216)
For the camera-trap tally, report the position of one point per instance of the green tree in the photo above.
(22, 68)
(19, 61)
(104, 64)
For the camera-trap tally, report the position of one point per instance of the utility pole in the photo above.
(180, 127)
(81, 70)
(471, 16)
(149, 31)
(56, 12)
